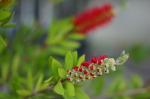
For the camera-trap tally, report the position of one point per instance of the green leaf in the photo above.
(70, 44)
(48, 80)
(136, 81)
(119, 84)
(30, 80)
(68, 61)
(5, 71)
(4, 15)
(57, 50)
(2, 44)
(61, 72)
(80, 94)
(23, 92)
(39, 83)
(15, 64)
(97, 85)
(81, 60)
(69, 89)
(54, 67)
(59, 88)
(9, 25)
(76, 36)
(75, 57)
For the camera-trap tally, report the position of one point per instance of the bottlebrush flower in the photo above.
(95, 67)
(92, 18)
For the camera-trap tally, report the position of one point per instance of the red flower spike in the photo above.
(100, 62)
(75, 68)
(80, 69)
(102, 57)
(91, 74)
(81, 77)
(86, 72)
(92, 67)
(68, 79)
(98, 16)
(94, 60)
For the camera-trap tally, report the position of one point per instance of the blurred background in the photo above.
(129, 30)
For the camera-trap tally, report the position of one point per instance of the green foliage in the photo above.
(68, 61)
(59, 88)
(69, 89)
(28, 70)
(61, 38)
(5, 13)
(139, 52)
(81, 59)
(98, 85)
(2, 44)
(136, 82)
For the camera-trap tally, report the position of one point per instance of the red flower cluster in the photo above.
(92, 18)
(87, 70)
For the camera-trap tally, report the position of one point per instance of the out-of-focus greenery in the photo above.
(33, 64)
(25, 70)
(139, 52)
(6, 13)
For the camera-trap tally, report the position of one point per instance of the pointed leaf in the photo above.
(68, 61)
(59, 88)
(61, 72)
(81, 59)
(69, 89)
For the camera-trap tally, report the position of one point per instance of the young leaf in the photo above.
(76, 36)
(69, 89)
(75, 58)
(58, 50)
(68, 61)
(61, 72)
(80, 94)
(48, 80)
(39, 83)
(70, 44)
(59, 88)
(54, 67)
(81, 59)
